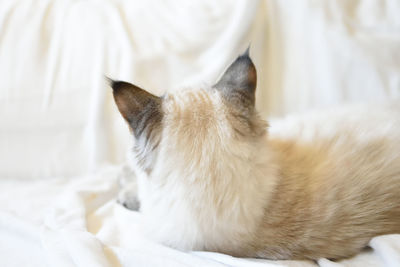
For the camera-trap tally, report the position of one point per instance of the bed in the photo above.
(63, 144)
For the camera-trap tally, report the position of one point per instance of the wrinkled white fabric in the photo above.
(60, 130)
(82, 225)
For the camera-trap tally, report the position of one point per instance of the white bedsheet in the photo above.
(62, 140)
(77, 222)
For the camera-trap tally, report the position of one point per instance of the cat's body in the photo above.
(339, 183)
(212, 177)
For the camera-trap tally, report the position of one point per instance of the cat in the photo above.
(212, 175)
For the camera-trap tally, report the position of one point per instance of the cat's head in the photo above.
(194, 129)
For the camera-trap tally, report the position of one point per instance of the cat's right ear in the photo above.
(140, 109)
(238, 84)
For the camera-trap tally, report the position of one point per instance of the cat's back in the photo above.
(340, 181)
(362, 120)
(349, 142)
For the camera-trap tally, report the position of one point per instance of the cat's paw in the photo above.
(128, 192)
(129, 200)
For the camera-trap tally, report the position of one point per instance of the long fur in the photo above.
(214, 178)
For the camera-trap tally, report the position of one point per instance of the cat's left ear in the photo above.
(238, 83)
(141, 110)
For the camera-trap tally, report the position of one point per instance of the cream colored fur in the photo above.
(334, 178)
(217, 178)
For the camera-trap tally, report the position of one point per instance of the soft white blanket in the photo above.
(62, 140)
(78, 223)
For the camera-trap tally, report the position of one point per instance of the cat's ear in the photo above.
(139, 108)
(238, 83)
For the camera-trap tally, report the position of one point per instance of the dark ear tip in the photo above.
(247, 52)
(245, 57)
(109, 81)
(115, 85)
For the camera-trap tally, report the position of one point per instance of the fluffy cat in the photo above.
(212, 176)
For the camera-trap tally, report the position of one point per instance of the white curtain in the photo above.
(57, 114)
